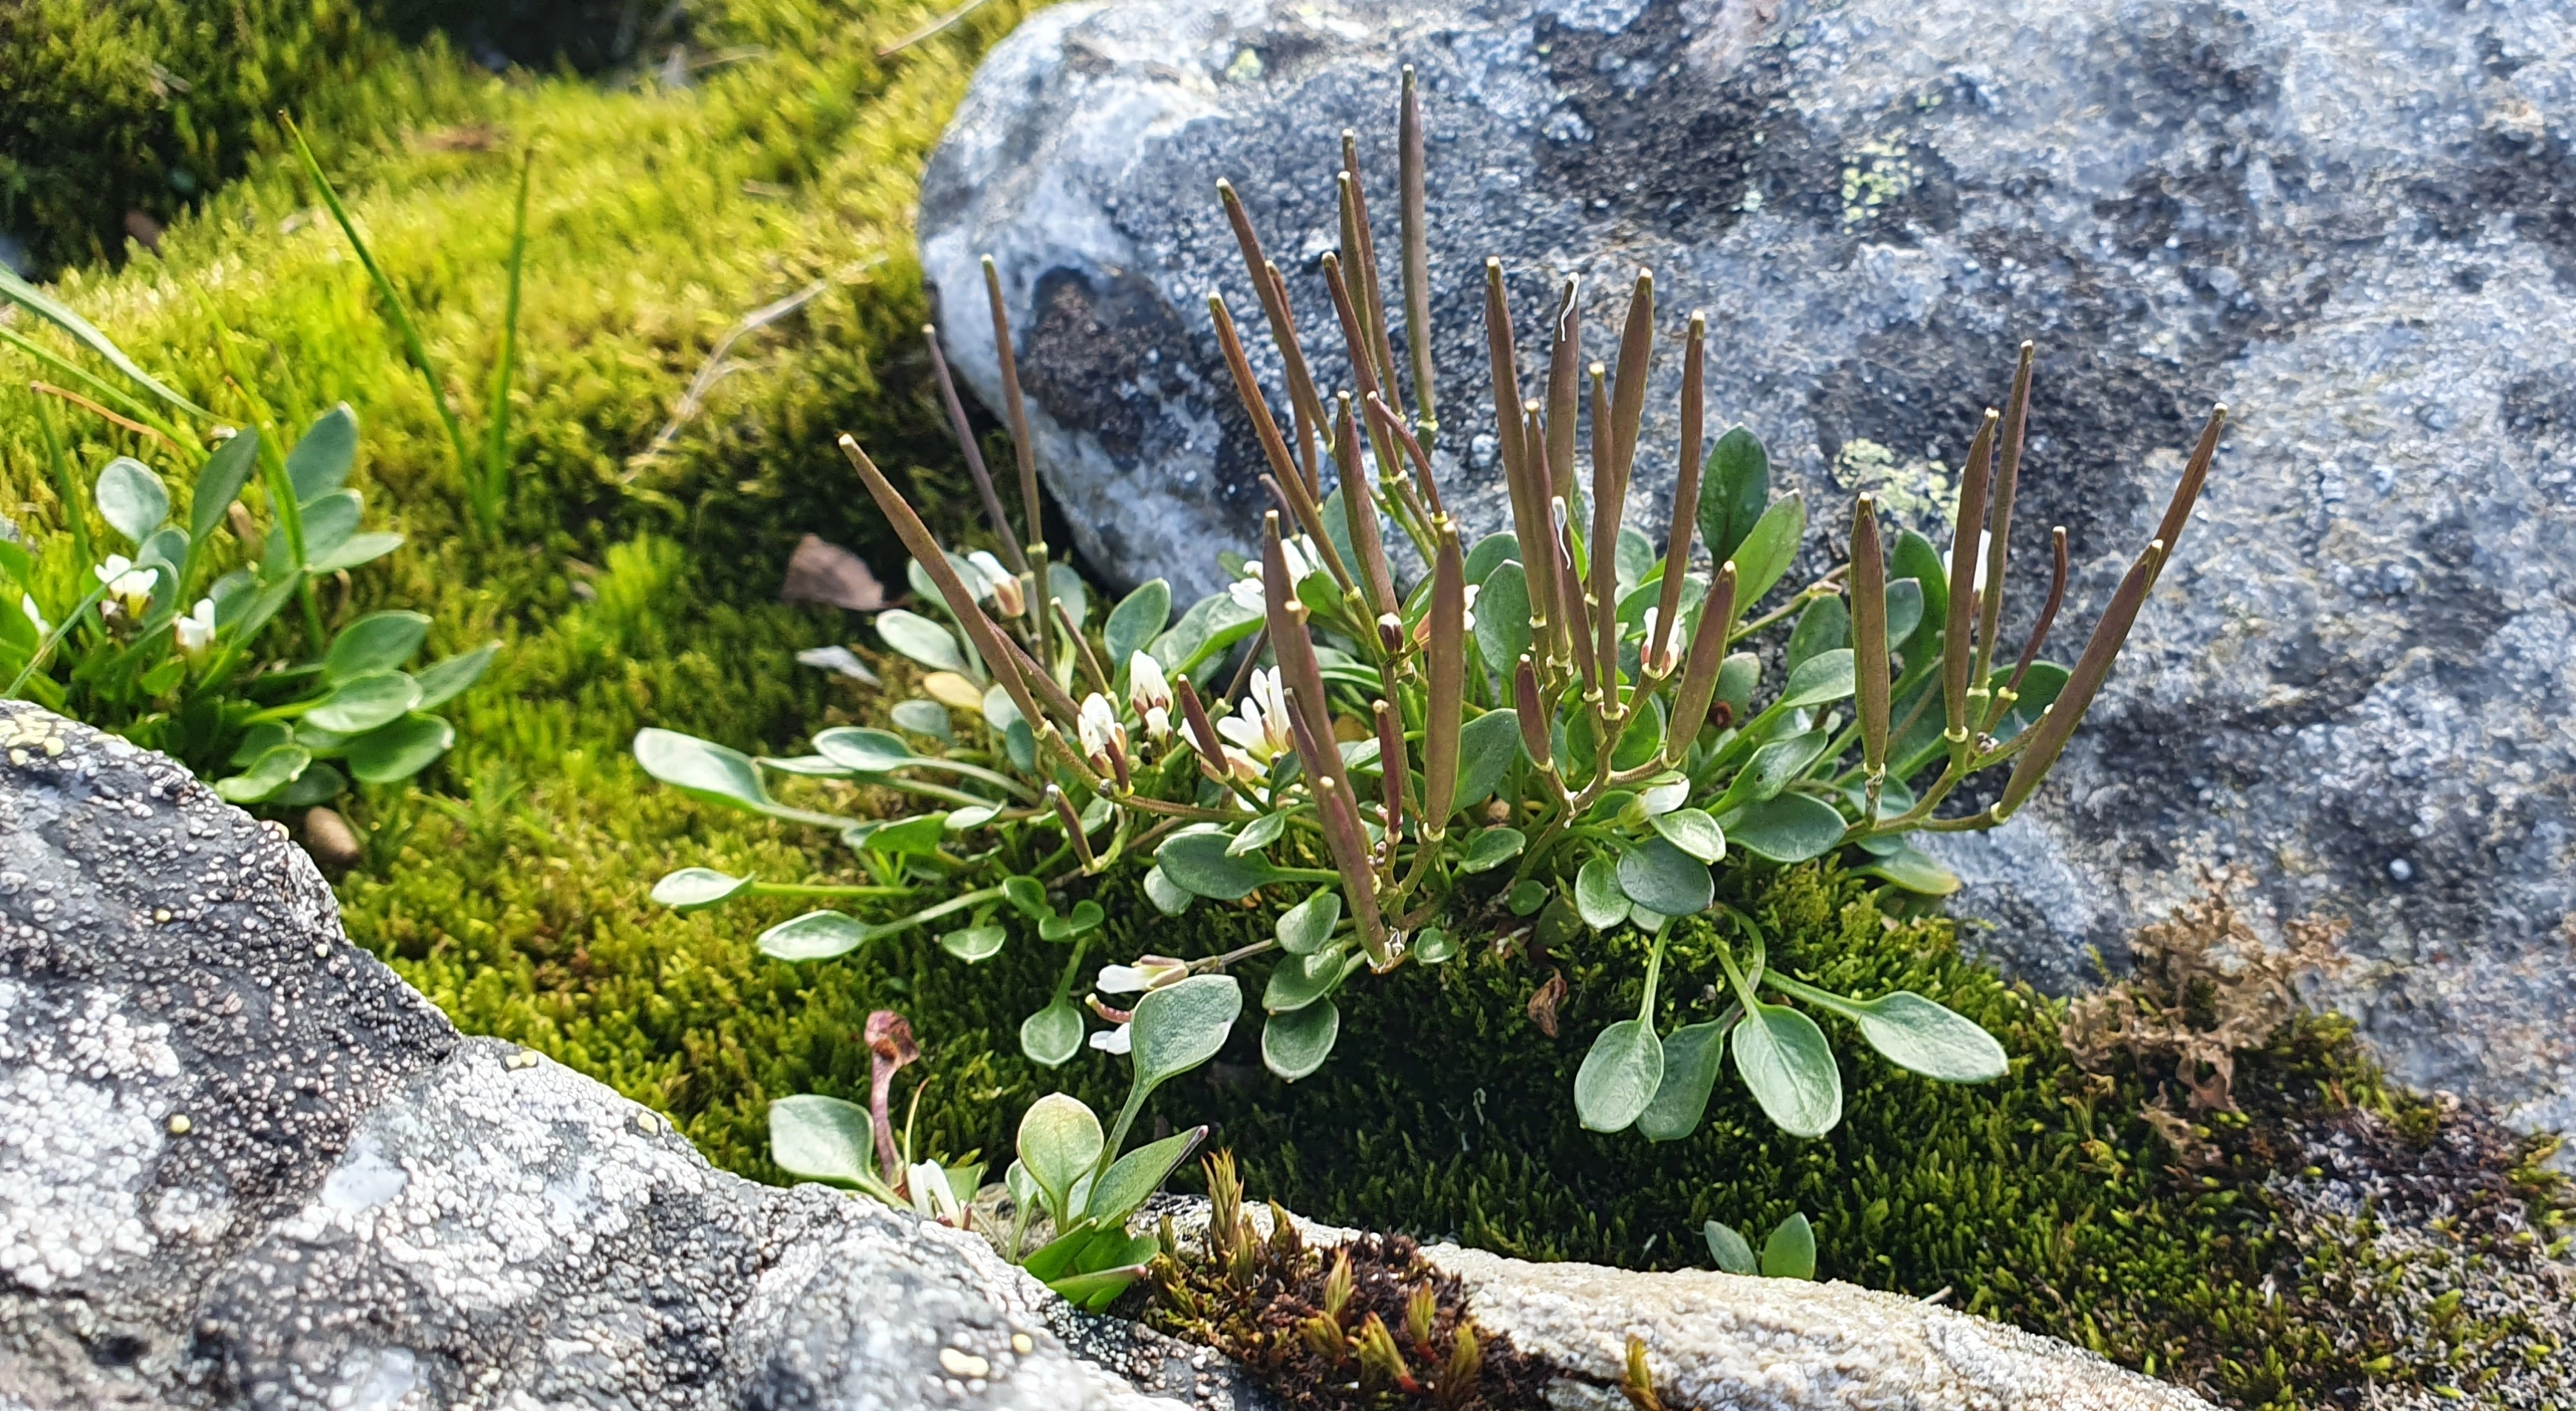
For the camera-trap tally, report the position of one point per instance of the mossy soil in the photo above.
(636, 586)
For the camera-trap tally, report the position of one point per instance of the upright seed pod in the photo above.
(1025, 447)
(1502, 356)
(1685, 501)
(2049, 733)
(1570, 596)
(1448, 684)
(1999, 517)
(1538, 552)
(2186, 493)
(1411, 200)
(1273, 294)
(1607, 505)
(1628, 400)
(1391, 767)
(2047, 617)
(1707, 654)
(1869, 640)
(1956, 652)
(1536, 726)
(1292, 484)
(1564, 391)
(1013, 556)
(1359, 513)
(1362, 253)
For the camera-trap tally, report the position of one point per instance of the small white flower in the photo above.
(1260, 727)
(1118, 1040)
(126, 584)
(932, 1197)
(1303, 559)
(196, 630)
(1150, 972)
(1149, 693)
(27, 604)
(1984, 549)
(992, 570)
(1098, 725)
(1471, 606)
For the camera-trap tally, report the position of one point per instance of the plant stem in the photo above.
(490, 494)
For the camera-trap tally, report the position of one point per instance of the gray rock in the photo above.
(2351, 223)
(241, 1164)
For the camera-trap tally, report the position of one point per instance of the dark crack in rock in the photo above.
(2352, 223)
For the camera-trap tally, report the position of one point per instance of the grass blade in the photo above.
(54, 311)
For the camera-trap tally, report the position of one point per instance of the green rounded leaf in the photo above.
(353, 551)
(391, 753)
(1136, 621)
(1138, 1174)
(1434, 946)
(693, 887)
(1735, 484)
(1691, 1059)
(1826, 676)
(1182, 1025)
(822, 1139)
(362, 703)
(131, 499)
(1767, 552)
(1732, 1253)
(1923, 1037)
(1491, 849)
(1167, 896)
(1502, 617)
(1908, 868)
(1597, 897)
(1693, 832)
(1737, 678)
(974, 943)
(1790, 1252)
(446, 680)
(220, 483)
(1197, 862)
(319, 783)
(1664, 879)
(701, 769)
(1053, 1034)
(922, 640)
(1619, 1076)
(1304, 928)
(1299, 980)
(1487, 745)
(1904, 609)
(1825, 625)
(1790, 828)
(863, 750)
(1295, 1044)
(1260, 833)
(275, 768)
(816, 935)
(924, 718)
(1783, 1058)
(323, 455)
(1059, 1142)
(378, 642)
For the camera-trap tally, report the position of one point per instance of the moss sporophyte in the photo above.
(1580, 757)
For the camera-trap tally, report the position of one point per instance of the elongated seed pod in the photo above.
(1337, 809)
(988, 639)
(2195, 473)
(1608, 503)
(1502, 356)
(2047, 612)
(2050, 732)
(1072, 821)
(1685, 501)
(1273, 294)
(1707, 654)
(1999, 517)
(1535, 721)
(1393, 428)
(1359, 513)
(1869, 634)
(1448, 683)
(1013, 557)
(1538, 547)
(1289, 640)
(1564, 390)
(1411, 201)
(1361, 251)
(1628, 400)
(1391, 770)
(1025, 448)
(1211, 746)
(1570, 594)
(1956, 651)
(1049, 694)
(1292, 484)
(1354, 321)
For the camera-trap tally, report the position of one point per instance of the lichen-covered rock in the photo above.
(2349, 222)
(241, 1164)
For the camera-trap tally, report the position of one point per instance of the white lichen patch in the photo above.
(1917, 492)
(78, 1136)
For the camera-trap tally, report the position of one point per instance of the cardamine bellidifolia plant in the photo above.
(1553, 729)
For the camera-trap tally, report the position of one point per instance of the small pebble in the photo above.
(179, 1124)
(1023, 1344)
(527, 1058)
(963, 1364)
(331, 841)
(648, 1124)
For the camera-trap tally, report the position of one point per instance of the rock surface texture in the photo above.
(2352, 223)
(242, 1165)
